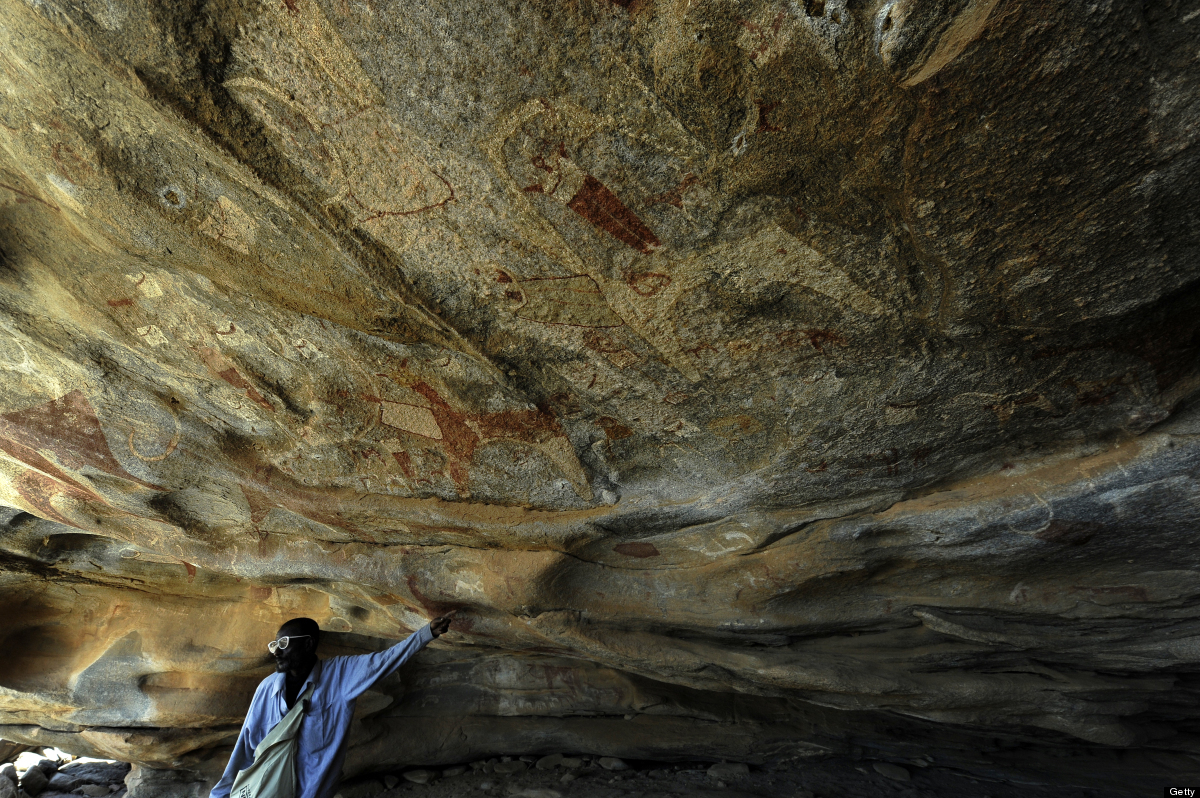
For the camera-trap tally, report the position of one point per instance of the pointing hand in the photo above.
(441, 624)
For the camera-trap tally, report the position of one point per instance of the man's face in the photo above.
(296, 653)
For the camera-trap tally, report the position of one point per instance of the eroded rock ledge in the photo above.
(761, 380)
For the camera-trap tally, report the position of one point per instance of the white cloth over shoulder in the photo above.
(272, 774)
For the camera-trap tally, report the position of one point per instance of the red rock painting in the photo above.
(72, 165)
(764, 124)
(405, 462)
(463, 433)
(558, 177)
(66, 428)
(272, 489)
(601, 207)
(648, 283)
(221, 367)
(639, 550)
(575, 301)
(38, 490)
(432, 606)
(817, 338)
(24, 197)
(675, 195)
(768, 37)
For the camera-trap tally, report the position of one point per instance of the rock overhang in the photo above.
(842, 354)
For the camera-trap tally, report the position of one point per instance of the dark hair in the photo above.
(304, 626)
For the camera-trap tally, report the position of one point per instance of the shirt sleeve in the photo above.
(243, 751)
(359, 672)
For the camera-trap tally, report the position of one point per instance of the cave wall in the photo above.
(758, 379)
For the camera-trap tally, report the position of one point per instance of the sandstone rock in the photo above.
(144, 782)
(9, 751)
(95, 771)
(34, 781)
(894, 772)
(767, 375)
(64, 783)
(728, 770)
(94, 790)
(509, 768)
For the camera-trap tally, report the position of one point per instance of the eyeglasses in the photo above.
(282, 643)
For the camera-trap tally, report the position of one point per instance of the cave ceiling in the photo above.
(809, 366)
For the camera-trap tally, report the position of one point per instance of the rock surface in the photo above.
(835, 777)
(761, 380)
(34, 782)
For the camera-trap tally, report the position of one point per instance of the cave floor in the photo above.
(839, 777)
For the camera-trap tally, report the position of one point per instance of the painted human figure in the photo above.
(337, 683)
(561, 179)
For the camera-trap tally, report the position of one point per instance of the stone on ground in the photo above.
(34, 782)
(419, 776)
(96, 771)
(612, 763)
(550, 762)
(891, 771)
(144, 782)
(64, 782)
(728, 770)
(509, 768)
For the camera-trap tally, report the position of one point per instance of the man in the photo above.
(338, 682)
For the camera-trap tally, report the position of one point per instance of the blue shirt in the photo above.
(339, 682)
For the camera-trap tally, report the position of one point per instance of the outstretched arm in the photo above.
(362, 671)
